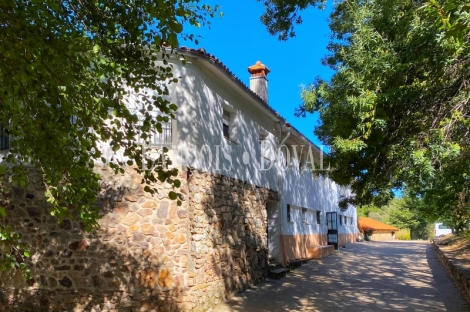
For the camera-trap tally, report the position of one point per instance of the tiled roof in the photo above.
(214, 60)
(369, 224)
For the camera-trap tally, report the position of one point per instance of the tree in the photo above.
(396, 110)
(281, 16)
(65, 68)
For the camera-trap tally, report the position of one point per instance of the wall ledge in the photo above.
(458, 270)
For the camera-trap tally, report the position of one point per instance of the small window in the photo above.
(289, 219)
(304, 216)
(340, 220)
(4, 137)
(352, 220)
(345, 220)
(226, 124)
(318, 217)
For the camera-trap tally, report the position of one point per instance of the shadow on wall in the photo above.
(136, 259)
(201, 98)
(149, 254)
(228, 235)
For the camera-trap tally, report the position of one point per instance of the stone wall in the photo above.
(382, 235)
(228, 236)
(138, 258)
(457, 270)
(148, 255)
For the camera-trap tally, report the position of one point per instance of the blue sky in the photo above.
(239, 40)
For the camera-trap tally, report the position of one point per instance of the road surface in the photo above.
(368, 276)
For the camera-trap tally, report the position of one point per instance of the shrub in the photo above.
(403, 234)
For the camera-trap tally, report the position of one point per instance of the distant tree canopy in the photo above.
(63, 67)
(396, 111)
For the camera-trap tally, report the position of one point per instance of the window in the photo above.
(164, 138)
(318, 217)
(304, 216)
(345, 220)
(159, 139)
(4, 137)
(444, 227)
(352, 220)
(226, 124)
(340, 220)
(230, 124)
(266, 146)
(288, 213)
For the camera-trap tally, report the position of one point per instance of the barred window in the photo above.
(160, 139)
(226, 124)
(4, 137)
(164, 138)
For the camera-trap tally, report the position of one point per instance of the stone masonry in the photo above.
(148, 255)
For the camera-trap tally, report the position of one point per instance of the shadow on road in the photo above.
(369, 276)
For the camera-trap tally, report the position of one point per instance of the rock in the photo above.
(130, 219)
(66, 282)
(97, 282)
(67, 253)
(182, 214)
(131, 198)
(180, 239)
(150, 204)
(144, 212)
(65, 224)
(33, 211)
(147, 228)
(164, 278)
(162, 212)
(79, 245)
(52, 282)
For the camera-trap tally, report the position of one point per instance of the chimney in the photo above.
(259, 80)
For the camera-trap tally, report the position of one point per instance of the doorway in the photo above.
(331, 222)
(273, 229)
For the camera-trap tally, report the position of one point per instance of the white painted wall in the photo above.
(201, 96)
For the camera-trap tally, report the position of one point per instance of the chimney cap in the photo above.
(259, 69)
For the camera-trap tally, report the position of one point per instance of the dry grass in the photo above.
(459, 246)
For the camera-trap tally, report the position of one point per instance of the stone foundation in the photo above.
(148, 255)
(228, 236)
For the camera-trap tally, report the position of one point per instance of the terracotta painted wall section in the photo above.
(294, 246)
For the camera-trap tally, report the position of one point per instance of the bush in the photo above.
(403, 234)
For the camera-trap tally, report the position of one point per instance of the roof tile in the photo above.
(369, 224)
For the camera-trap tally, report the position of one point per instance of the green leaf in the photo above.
(172, 195)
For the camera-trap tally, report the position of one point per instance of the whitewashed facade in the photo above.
(205, 92)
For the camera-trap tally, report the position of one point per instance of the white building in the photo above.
(249, 195)
(225, 127)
